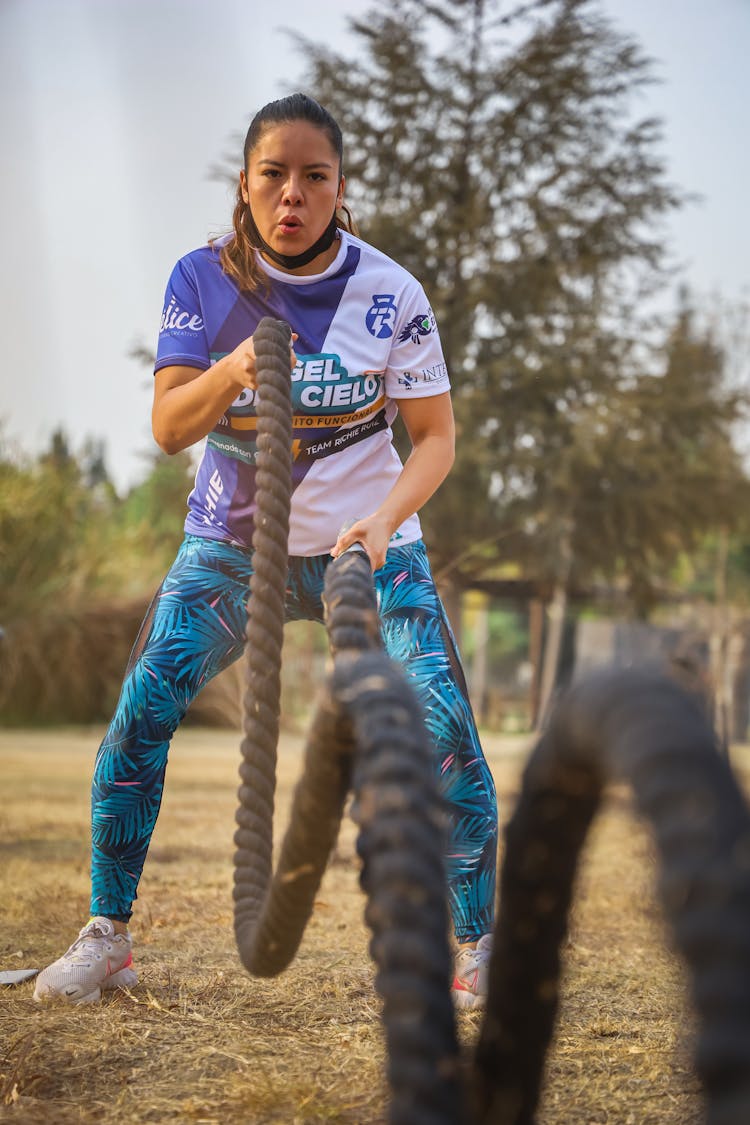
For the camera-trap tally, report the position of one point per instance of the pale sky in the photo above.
(112, 112)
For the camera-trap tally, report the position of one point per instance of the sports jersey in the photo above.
(367, 338)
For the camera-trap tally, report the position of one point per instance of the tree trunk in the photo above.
(536, 643)
(719, 645)
(552, 648)
(556, 623)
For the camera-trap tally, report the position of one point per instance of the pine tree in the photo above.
(495, 153)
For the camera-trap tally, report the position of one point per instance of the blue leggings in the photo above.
(195, 627)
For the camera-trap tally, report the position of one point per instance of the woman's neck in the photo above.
(319, 263)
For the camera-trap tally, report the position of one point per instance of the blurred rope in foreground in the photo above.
(643, 728)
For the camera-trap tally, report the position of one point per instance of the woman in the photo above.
(364, 345)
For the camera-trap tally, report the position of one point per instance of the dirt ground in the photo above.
(199, 1041)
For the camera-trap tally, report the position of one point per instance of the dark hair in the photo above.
(237, 256)
(296, 107)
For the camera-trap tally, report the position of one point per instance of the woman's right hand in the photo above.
(188, 402)
(242, 363)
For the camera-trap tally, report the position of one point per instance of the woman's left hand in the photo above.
(373, 532)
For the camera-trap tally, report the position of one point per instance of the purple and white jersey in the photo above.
(367, 337)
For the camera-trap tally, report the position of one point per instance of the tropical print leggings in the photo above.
(195, 627)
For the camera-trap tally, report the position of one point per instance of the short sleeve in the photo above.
(182, 331)
(416, 365)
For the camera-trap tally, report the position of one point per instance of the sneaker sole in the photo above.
(52, 997)
(467, 1000)
(123, 978)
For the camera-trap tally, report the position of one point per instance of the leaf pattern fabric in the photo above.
(196, 627)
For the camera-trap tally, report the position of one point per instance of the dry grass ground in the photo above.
(201, 1042)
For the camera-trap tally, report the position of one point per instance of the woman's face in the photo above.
(293, 187)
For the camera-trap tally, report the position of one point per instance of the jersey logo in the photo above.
(380, 315)
(175, 319)
(322, 385)
(418, 327)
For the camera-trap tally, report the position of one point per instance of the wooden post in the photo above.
(536, 635)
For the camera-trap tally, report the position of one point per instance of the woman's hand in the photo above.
(373, 532)
(241, 363)
(188, 402)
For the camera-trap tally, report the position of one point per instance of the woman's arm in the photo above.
(188, 403)
(429, 423)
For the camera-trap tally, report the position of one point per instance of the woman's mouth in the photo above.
(290, 224)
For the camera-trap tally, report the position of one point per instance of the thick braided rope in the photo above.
(254, 834)
(401, 842)
(644, 728)
(315, 819)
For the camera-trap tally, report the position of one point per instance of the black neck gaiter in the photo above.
(291, 261)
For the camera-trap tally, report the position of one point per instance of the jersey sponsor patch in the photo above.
(177, 320)
(236, 449)
(334, 443)
(380, 316)
(321, 384)
(418, 326)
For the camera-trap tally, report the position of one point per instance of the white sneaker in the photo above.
(98, 959)
(469, 988)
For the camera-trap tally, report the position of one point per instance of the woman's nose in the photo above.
(292, 191)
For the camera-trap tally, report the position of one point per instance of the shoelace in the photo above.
(86, 944)
(473, 959)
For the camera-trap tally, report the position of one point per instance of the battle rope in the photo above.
(254, 835)
(368, 721)
(644, 728)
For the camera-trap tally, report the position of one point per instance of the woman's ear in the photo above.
(243, 187)
(340, 196)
